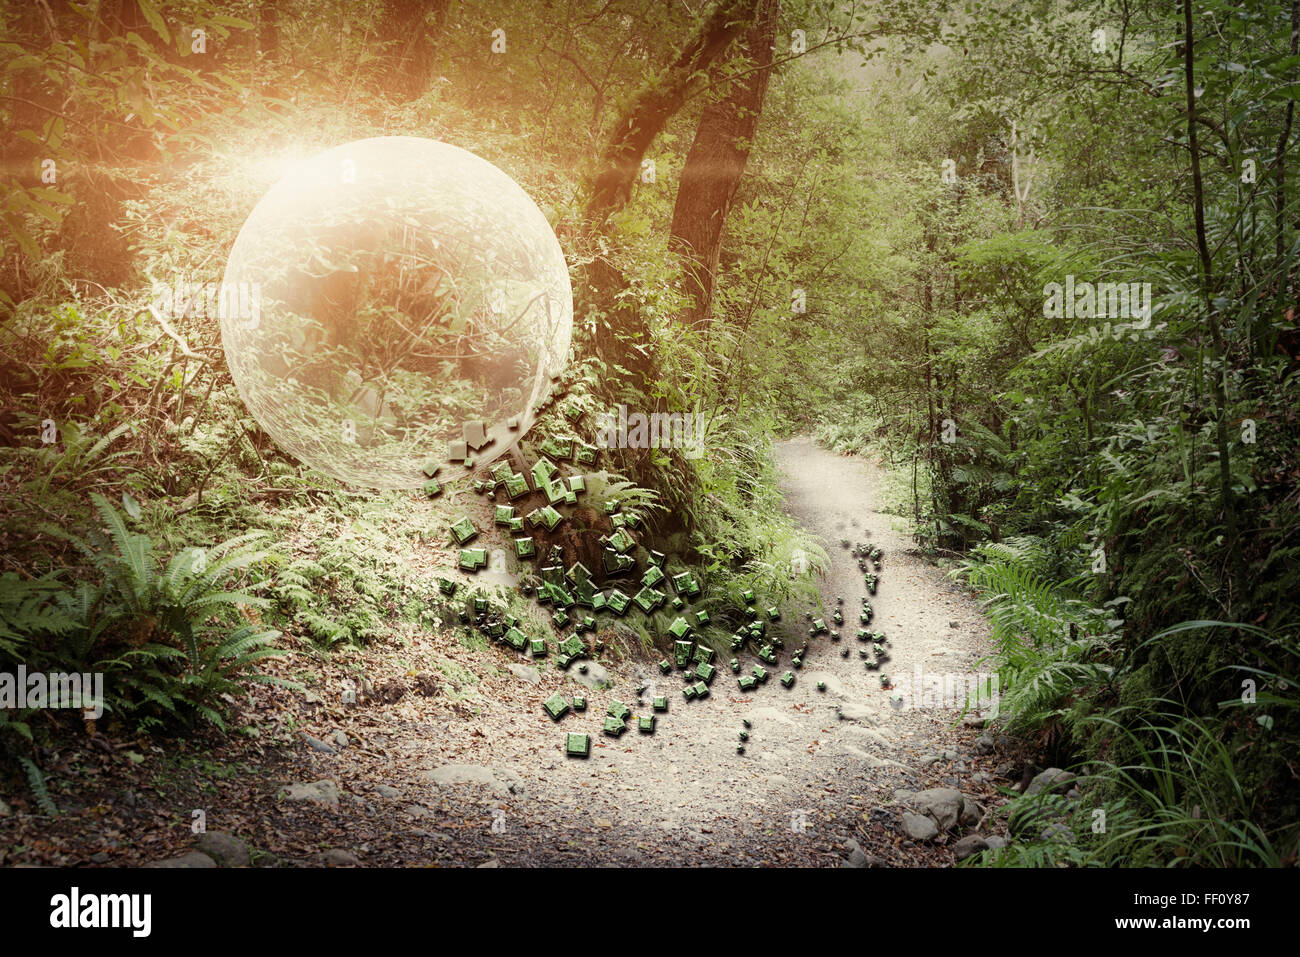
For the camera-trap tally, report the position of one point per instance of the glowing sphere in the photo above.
(388, 299)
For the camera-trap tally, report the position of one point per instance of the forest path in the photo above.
(464, 768)
(820, 768)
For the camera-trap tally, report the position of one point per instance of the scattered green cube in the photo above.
(619, 710)
(463, 530)
(556, 706)
(701, 618)
(701, 690)
(618, 602)
(433, 488)
(614, 727)
(537, 647)
(516, 639)
(665, 667)
(682, 653)
(577, 745)
(504, 514)
(679, 629)
(579, 703)
(646, 724)
(705, 671)
(748, 596)
(774, 613)
(661, 703)
(787, 679)
(747, 682)
(472, 559)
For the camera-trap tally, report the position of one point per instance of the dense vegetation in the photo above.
(894, 195)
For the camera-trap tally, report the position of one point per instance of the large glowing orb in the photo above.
(389, 298)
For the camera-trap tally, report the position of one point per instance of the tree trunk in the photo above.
(717, 160)
(656, 103)
(406, 26)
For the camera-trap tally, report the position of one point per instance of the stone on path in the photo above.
(322, 792)
(918, 827)
(226, 849)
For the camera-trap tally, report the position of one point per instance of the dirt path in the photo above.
(475, 772)
(808, 781)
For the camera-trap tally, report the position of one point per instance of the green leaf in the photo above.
(155, 20)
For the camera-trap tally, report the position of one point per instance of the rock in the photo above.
(950, 755)
(317, 744)
(918, 827)
(4, 809)
(974, 720)
(1005, 770)
(595, 677)
(927, 759)
(954, 624)
(192, 860)
(492, 863)
(941, 805)
(340, 739)
(995, 843)
(971, 812)
(500, 781)
(968, 845)
(323, 792)
(385, 790)
(337, 857)
(100, 857)
(226, 849)
(1061, 833)
(525, 673)
(856, 858)
(984, 744)
(1053, 779)
(1073, 794)
(267, 859)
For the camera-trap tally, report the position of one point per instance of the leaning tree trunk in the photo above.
(717, 160)
(660, 97)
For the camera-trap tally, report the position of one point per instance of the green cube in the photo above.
(537, 647)
(556, 706)
(818, 626)
(647, 599)
(652, 577)
(516, 486)
(679, 629)
(463, 530)
(577, 484)
(516, 639)
(665, 667)
(705, 671)
(618, 602)
(525, 548)
(682, 653)
(433, 488)
(621, 540)
(658, 558)
(748, 596)
(661, 703)
(573, 646)
(619, 710)
(701, 690)
(560, 619)
(504, 514)
(735, 665)
(586, 455)
(702, 653)
(516, 526)
(701, 618)
(472, 559)
(774, 614)
(688, 692)
(760, 673)
(447, 586)
(579, 704)
(747, 682)
(577, 745)
(768, 655)
(614, 727)
(787, 679)
(646, 724)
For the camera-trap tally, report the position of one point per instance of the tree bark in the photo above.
(406, 25)
(655, 103)
(717, 159)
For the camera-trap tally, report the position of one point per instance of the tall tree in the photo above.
(411, 27)
(718, 157)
